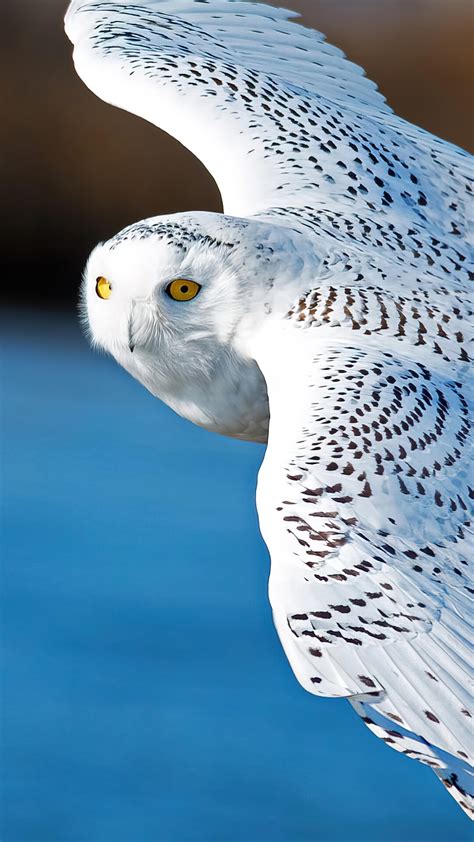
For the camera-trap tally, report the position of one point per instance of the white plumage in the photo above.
(327, 310)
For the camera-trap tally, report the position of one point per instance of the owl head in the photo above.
(175, 300)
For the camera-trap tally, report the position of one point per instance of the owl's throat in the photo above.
(235, 407)
(229, 398)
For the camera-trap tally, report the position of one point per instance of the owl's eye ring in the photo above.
(182, 289)
(103, 288)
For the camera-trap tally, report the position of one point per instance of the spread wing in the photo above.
(281, 119)
(364, 501)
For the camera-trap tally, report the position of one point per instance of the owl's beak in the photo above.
(131, 343)
(140, 324)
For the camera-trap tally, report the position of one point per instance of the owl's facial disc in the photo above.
(166, 284)
(180, 289)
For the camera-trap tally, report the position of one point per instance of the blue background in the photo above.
(146, 696)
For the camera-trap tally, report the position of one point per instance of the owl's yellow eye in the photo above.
(103, 288)
(182, 290)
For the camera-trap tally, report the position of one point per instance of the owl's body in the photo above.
(327, 311)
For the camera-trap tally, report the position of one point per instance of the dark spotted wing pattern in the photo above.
(364, 502)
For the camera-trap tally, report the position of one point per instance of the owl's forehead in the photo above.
(183, 232)
(164, 234)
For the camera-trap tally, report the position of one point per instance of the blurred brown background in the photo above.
(62, 147)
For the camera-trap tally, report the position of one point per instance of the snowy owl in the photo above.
(326, 312)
